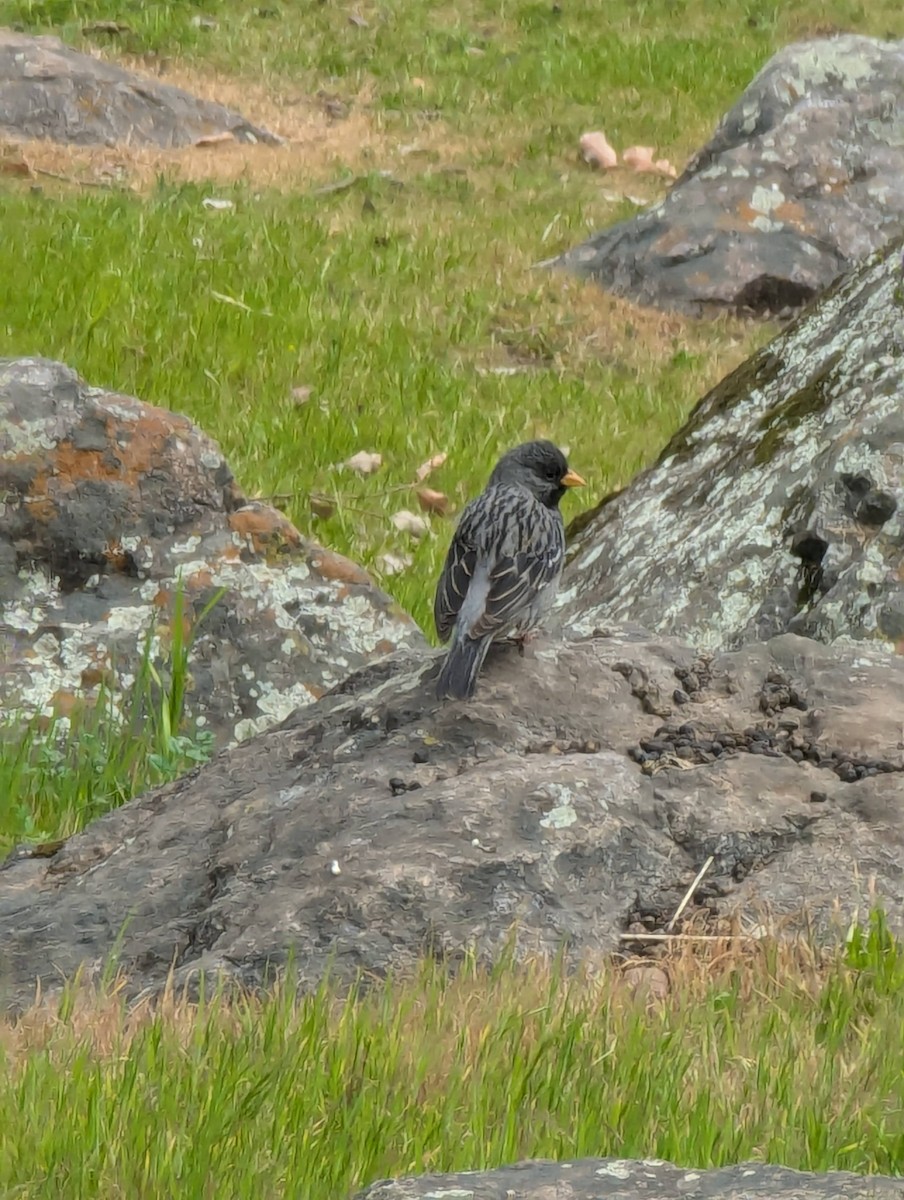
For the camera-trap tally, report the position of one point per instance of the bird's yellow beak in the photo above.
(573, 479)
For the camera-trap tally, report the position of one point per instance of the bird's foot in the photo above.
(521, 640)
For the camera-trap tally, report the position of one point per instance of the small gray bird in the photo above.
(502, 570)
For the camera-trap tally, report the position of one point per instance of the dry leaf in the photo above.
(364, 462)
(394, 564)
(409, 522)
(432, 464)
(302, 394)
(113, 27)
(418, 83)
(639, 158)
(664, 167)
(519, 370)
(214, 139)
(321, 506)
(433, 502)
(650, 983)
(596, 151)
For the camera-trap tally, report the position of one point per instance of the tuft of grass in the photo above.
(60, 772)
(778, 1053)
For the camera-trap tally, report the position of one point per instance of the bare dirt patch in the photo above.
(325, 137)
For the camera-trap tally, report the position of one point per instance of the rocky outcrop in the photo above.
(110, 508)
(48, 90)
(799, 183)
(780, 504)
(624, 1179)
(380, 825)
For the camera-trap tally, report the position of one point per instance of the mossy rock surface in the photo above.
(801, 448)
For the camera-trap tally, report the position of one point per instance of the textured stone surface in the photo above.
(379, 825)
(800, 182)
(780, 504)
(625, 1179)
(49, 90)
(105, 504)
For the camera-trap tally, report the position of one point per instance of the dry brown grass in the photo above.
(679, 975)
(324, 138)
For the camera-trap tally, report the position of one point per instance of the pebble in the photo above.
(682, 741)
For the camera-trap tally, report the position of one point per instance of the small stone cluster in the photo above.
(693, 679)
(682, 745)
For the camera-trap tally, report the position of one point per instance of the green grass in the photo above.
(396, 315)
(767, 1055)
(391, 323)
(397, 301)
(58, 773)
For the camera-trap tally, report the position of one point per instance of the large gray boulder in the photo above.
(380, 825)
(780, 504)
(108, 507)
(624, 1179)
(800, 182)
(48, 90)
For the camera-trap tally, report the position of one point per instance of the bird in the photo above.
(503, 567)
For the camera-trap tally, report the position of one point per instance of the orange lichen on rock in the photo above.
(92, 677)
(118, 558)
(793, 214)
(265, 528)
(199, 580)
(334, 566)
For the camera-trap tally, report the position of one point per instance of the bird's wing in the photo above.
(513, 547)
(457, 573)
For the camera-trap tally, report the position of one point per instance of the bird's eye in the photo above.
(552, 473)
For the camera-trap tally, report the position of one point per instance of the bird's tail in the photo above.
(458, 678)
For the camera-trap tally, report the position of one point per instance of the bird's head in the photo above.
(540, 467)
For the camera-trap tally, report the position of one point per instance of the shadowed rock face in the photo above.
(624, 1179)
(380, 825)
(780, 504)
(48, 90)
(799, 183)
(109, 503)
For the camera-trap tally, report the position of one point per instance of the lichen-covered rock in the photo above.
(48, 90)
(800, 182)
(780, 504)
(107, 507)
(625, 1179)
(379, 825)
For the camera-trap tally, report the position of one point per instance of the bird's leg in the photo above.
(523, 639)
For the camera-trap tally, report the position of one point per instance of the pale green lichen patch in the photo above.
(103, 567)
(701, 544)
(843, 60)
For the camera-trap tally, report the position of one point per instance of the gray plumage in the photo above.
(503, 568)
